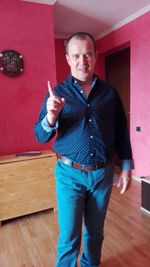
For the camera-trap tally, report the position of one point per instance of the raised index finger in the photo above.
(50, 90)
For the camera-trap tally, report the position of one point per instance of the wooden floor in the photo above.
(30, 241)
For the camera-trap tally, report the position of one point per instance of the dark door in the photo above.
(117, 68)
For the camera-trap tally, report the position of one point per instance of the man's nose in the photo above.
(83, 59)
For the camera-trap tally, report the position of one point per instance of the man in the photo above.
(91, 127)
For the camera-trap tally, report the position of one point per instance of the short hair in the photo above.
(80, 36)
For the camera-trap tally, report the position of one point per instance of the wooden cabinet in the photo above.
(27, 184)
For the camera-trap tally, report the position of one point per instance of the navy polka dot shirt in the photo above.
(89, 129)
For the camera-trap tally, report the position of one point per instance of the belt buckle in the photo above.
(90, 168)
(85, 168)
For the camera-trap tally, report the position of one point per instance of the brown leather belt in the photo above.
(76, 165)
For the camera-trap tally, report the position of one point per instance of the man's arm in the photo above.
(47, 124)
(124, 181)
(124, 150)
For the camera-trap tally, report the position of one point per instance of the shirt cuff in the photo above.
(127, 164)
(46, 126)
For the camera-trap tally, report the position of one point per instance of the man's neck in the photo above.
(86, 86)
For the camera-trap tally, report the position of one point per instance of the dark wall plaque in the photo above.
(11, 62)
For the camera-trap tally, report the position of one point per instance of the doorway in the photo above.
(117, 70)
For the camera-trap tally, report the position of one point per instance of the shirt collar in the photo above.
(73, 80)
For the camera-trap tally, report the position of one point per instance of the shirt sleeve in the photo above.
(42, 130)
(46, 126)
(127, 164)
(123, 144)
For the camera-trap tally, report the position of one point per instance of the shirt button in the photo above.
(81, 92)
(88, 105)
(90, 120)
(91, 136)
(91, 154)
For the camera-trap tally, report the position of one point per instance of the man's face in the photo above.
(81, 58)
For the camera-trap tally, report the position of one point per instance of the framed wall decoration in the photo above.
(11, 62)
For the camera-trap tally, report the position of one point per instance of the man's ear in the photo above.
(68, 60)
(96, 56)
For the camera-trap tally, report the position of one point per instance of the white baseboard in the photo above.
(136, 178)
(144, 210)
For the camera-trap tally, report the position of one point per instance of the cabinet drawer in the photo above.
(27, 186)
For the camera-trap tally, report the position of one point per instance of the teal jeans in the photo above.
(82, 197)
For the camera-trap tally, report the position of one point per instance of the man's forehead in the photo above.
(77, 44)
(77, 39)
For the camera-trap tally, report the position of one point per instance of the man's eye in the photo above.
(75, 56)
(88, 55)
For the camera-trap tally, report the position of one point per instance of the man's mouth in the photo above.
(84, 69)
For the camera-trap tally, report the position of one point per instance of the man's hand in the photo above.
(124, 181)
(54, 105)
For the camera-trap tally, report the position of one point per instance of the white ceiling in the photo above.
(98, 17)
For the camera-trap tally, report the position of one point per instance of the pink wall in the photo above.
(27, 28)
(137, 35)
